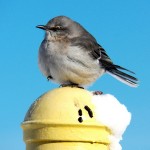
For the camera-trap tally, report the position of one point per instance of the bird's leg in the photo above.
(71, 85)
(97, 93)
(49, 78)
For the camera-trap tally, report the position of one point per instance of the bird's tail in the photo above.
(116, 72)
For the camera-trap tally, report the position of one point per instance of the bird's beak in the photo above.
(41, 27)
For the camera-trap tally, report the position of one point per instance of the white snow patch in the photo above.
(114, 115)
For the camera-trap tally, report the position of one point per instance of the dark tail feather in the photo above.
(119, 67)
(123, 77)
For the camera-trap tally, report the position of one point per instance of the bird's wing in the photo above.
(87, 43)
(98, 53)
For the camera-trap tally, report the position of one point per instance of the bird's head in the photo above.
(62, 27)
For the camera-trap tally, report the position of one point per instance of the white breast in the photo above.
(68, 64)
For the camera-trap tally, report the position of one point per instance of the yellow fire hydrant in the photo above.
(64, 119)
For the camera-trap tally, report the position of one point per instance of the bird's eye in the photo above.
(56, 28)
(59, 27)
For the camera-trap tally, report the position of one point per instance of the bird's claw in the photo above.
(49, 78)
(71, 85)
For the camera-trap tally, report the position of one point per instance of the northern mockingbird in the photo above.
(70, 55)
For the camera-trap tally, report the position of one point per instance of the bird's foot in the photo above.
(71, 85)
(49, 78)
(97, 93)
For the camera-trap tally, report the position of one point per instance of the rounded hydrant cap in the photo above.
(63, 106)
(64, 114)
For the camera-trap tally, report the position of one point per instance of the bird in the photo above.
(70, 56)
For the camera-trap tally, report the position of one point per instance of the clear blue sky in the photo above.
(121, 27)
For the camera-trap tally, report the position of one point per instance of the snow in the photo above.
(114, 115)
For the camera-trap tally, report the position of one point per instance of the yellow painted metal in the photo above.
(52, 122)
